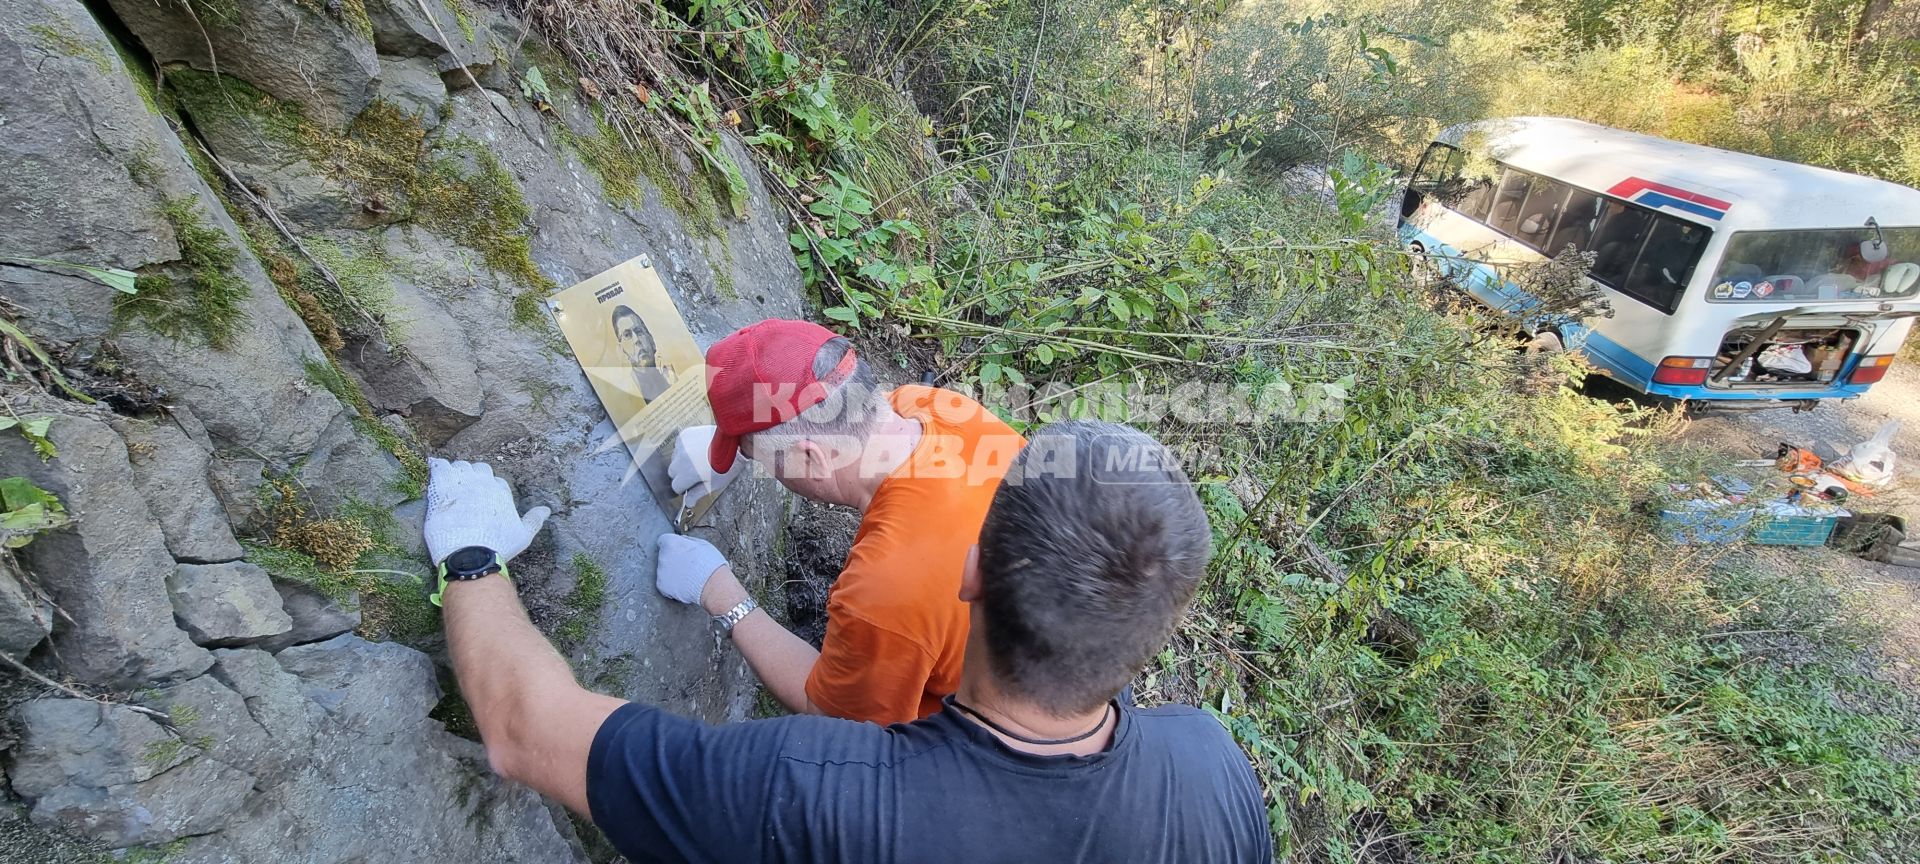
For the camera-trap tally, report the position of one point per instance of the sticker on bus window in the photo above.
(1763, 289)
(1742, 290)
(1723, 291)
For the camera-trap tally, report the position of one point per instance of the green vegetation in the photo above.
(454, 187)
(160, 755)
(620, 164)
(27, 510)
(584, 602)
(200, 297)
(63, 40)
(364, 273)
(465, 193)
(1826, 83)
(147, 854)
(1435, 618)
(412, 481)
(350, 13)
(349, 556)
(463, 17)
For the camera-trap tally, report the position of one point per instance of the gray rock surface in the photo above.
(373, 688)
(108, 569)
(451, 36)
(413, 86)
(345, 466)
(108, 772)
(226, 604)
(428, 374)
(323, 751)
(412, 792)
(74, 742)
(171, 470)
(25, 619)
(274, 698)
(316, 617)
(78, 133)
(290, 49)
(55, 197)
(220, 724)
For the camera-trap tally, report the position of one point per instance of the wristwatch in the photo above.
(466, 564)
(736, 614)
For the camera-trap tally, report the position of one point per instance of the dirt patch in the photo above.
(818, 537)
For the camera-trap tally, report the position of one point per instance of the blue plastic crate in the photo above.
(1723, 526)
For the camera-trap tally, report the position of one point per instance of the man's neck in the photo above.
(888, 447)
(1025, 721)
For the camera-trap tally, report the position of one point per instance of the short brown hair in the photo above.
(1090, 553)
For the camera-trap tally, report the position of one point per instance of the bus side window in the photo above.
(1666, 263)
(1543, 208)
(1472, 193)
(1440, 165)
(1576, 228)
(1510, 201)
(1616, 243)
(1437, 177)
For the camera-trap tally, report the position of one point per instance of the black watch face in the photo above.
(471, 559)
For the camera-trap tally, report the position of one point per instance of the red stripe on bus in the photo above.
(1633, 185)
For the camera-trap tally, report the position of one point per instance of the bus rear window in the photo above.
(1824, 264)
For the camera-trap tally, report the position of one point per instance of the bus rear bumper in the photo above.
(1719, 399)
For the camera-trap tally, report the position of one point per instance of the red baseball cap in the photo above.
(761, 376)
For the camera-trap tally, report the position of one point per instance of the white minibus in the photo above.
(1733, 280)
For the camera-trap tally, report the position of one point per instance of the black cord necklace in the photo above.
(1037, 742)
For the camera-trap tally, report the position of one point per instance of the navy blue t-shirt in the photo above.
(1172, 787)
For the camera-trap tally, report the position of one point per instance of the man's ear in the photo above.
(815, 461)
(970, 576)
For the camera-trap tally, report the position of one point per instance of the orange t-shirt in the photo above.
(896, 628)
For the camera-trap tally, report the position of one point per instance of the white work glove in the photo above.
(683, 566)
(468, 506)
(691, 471)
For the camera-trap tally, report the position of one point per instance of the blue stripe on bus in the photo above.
(1662, 199)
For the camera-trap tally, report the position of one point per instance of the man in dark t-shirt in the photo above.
(1091, 550)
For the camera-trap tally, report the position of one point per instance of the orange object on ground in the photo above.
(896, 629)
(1797, 460)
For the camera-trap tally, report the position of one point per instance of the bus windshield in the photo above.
(1825, 264)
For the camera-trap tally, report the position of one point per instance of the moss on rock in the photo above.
(199, 297)
(584, 601)
(412, 481)
(61, 39)
(364, 273)
(456, 188)
(351, 14)
(620, 165)
(466, 193)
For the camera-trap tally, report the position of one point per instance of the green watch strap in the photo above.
(441, 570)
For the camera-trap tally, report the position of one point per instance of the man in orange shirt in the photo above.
(922, 465)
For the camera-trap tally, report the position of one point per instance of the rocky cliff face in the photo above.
(343, 215)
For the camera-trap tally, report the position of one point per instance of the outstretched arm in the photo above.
(537, 723)
(691, 571)
(780, 659)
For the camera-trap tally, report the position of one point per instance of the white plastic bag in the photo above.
(1871, 461)
(1785, 359)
